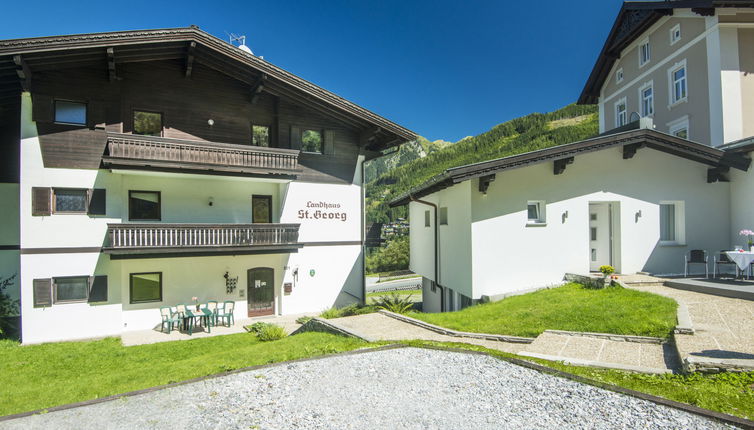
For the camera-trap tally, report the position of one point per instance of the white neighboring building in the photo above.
(145, 168)
(638, 197)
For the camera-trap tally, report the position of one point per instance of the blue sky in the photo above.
(444, 69)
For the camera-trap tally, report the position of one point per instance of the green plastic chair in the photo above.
(169, 318)
(213, 307)
(226, 313)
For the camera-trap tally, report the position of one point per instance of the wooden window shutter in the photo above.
(97, 288)
(295, 137)
(329, 142)
(41, 201)
(42, 109)
(42, 293)
(97, 201)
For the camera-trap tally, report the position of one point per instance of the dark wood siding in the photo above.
(186, 104)
(10, 137)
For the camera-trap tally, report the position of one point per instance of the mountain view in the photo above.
(417, 161)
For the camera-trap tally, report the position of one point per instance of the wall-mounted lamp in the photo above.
(637, 216)
(210, 122)
(564, 217)
(211, 201)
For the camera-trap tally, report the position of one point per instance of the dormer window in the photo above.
(67, 112)
(675, 34)
(147, 123)
(311, 141)
(619, 76)
(645, 52)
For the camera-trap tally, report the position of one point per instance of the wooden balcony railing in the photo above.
(149, 151)
(126, 237)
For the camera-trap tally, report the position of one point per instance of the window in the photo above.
(679, 127)
(260, 135)
(675, 34)
(619, 76)
(144, 206)
(147, 123)
(620, 113)
(70, 112)
(672, 224)
(70, 289)
(70, 201)
(261, 209)
(426, 219)
(678, 86)
(311, 141)
(592, 233)
(444, 216)
(646, 95)
(645, 52)
(145, 287)
(535, 212)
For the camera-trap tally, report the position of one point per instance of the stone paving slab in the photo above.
(382, 327)
(596, 352)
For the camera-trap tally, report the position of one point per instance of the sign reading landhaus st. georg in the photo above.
(323, 211)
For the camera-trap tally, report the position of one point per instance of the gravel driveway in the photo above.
(407, 388)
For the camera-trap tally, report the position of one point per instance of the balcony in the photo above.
(175, 240)
(131, 151)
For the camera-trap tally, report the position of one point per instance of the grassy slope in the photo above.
(42, 376)
(535, 131)
(571, 307)
(730, 393)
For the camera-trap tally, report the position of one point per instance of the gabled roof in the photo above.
(634, 18)
(634, 139)
(172, 43)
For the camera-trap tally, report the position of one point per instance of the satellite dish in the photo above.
(245, 48)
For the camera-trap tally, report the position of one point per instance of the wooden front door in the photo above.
(261, 291)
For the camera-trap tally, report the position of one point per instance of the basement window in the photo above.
(70, 289)
(145, 287)
(426, 219)
(70, 201)
(535, 212)
(67, 112)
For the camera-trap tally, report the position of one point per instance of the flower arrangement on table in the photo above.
(749, 237)
(196, 302)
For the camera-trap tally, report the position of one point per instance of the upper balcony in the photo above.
(158, 153)
(168, 240)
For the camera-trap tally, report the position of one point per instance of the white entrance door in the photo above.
(599, 235)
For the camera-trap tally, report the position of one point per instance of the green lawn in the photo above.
(42, 376)
(730, 393)
(571, 307)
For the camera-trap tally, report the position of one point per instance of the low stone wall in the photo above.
(588, 281)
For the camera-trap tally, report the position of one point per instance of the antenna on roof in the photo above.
(241, 41)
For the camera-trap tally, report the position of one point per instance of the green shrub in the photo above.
(256, 327)
(347, 311)
(607, 270)
(331, 313)
(303, 320)
(271, 332)
(396, 303)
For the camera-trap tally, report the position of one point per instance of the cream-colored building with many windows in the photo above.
(670, 171)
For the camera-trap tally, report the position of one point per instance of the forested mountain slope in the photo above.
(413, 164)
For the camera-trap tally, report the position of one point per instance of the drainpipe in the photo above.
(437, 251)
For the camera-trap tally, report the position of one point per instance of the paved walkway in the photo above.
(724, 327)
(141, 337)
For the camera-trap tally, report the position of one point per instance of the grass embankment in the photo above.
(41, 376)
(571, 307)
(730, 393)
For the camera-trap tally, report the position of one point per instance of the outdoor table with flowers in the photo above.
(743, 257)
(203, 314)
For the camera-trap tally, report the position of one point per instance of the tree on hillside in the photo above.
(389, 258)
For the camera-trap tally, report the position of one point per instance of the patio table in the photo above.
(203, 314)
(742, 259)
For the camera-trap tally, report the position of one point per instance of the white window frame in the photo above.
(647, 85)
(678, 125)
(619, 76)
(623, 102)
(672, 101)
(680, 222)
(541, 219)
(642, 60)
(673, 39)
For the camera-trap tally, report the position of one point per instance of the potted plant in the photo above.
(196, 302)
(749, 237)
(607, 270)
